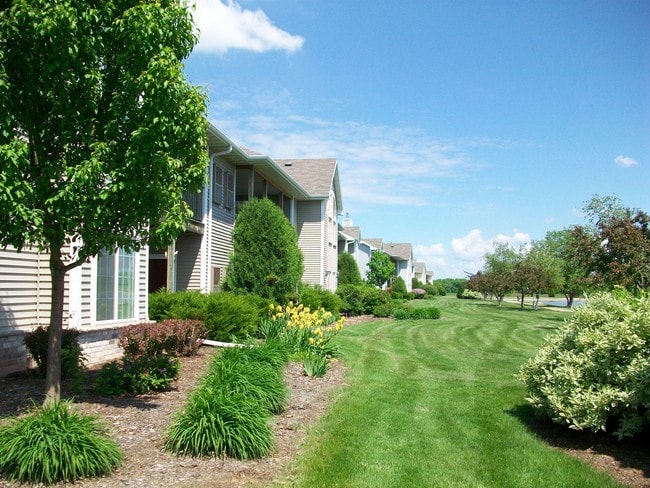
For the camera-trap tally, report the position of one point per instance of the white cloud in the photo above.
(378, 165)
(472, 247)
(625, 161)
(225, 26)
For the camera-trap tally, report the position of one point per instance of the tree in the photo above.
(380, 268)
(499, 269)
(568, 276)
(266, 259)
(615, 250)
(100, 133)
(348, 270)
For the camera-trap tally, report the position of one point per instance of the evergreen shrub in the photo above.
(228, 315)
(186, 305)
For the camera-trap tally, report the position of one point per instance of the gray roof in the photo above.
(314, 175)
(420, 267)
(403, 251)
(352, 231)
(375, 242)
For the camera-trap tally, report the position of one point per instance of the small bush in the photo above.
(383, 310)
(72, 356)
(402, 313)
(110, 380)
(54, 443)
(406, 313)
(174, 337)
(594, 373)
(186, 305)
(398, 288)
(469, 295)
(361, 299)
(229, 315)
(149, 362)
(425, 313)
(315, 298)
(137, 376)
(419, 293)
(146, 374)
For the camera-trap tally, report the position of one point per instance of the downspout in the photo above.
(222, 153)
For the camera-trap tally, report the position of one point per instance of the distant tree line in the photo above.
(613, 249)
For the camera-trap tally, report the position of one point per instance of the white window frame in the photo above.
(135, 256)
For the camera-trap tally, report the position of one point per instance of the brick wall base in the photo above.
(99, 346)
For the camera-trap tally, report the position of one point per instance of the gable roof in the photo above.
(402, 250)
(376, 242)
(420, 267)
(354, 232)
(317, 176)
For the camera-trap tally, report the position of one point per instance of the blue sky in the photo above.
(455, 123)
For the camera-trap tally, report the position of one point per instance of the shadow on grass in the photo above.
(628, 453)
(20, 392)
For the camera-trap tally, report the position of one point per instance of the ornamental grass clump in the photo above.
(258, 380)
(219, 422)
(228, 414)
(54, 443)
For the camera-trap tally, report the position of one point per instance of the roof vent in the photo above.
(288, 163)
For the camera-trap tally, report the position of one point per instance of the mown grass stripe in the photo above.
(432, 403)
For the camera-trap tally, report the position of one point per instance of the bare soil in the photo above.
(138, 424)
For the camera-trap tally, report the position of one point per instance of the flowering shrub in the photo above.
(302, 329)
(594, 373)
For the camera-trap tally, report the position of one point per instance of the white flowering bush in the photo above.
(594, 373)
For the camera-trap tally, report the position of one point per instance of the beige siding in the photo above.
(309, 227)
(25, 289)
(188, 261)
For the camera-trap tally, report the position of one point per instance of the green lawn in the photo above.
(435, 403)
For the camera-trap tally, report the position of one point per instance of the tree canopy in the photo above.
(100, 132)
(380, 268)
(266, 259)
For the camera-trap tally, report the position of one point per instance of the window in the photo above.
(217, 185)
(230, 190)
(115, 286)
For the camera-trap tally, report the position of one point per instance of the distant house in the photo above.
(402, 255)
(421, 273)
(307, 191)
(350, 242)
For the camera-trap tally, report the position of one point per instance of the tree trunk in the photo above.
(523, 295)
(55, 332)
(569, 299)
